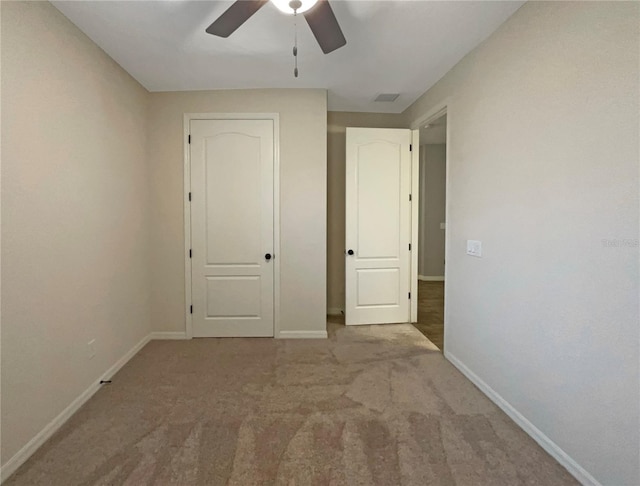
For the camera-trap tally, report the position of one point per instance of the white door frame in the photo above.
(436, 112)
(415, 204)
(276, 208)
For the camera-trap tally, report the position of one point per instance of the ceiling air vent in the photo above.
(387, 97)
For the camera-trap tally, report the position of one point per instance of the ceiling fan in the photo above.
(318, 14)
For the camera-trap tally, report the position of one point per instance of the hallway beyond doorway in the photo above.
(431, 311)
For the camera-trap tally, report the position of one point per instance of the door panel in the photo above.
(233, 297)
(233, 199)
(378, 287)
(232, 227)
(378, 225)
(378, 164)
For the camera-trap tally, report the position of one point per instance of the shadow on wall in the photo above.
(432, 214)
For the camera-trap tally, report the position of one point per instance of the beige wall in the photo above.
(336, 129)
(433, 171)
(74, 217)
(544, 155)
(303, 193)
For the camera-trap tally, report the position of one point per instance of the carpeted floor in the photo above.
(431, 311)
(372, 405)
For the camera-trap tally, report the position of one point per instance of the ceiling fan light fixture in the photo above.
(285, 6)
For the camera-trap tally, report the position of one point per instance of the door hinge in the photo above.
(189, 196)
(410, 148)
(409, 294)
(409, 246)
(191, 309)
(189, 138)
(410, 198)
(190, 253)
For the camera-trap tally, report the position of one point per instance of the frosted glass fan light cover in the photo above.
(283, 5)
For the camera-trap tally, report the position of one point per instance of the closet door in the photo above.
(232, 163)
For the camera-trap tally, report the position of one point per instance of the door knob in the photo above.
(268, 256)
(350, 252)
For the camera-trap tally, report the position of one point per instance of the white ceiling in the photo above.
(392, 46)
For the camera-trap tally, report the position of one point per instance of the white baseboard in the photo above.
(164, 335)
(302, 335)
(576, 470)
(435, 278)
(334, 311)
(52, 427)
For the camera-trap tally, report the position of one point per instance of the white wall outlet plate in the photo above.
(474, 248)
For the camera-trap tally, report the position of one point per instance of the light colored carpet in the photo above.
(374, 405)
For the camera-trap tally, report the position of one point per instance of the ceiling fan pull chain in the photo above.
(295, 42)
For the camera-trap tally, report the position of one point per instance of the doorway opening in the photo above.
(432, 228)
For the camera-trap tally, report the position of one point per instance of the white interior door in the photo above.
(232, 227)
(378, 225)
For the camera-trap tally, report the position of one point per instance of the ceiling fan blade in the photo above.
(324, 25)
(236, 15)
